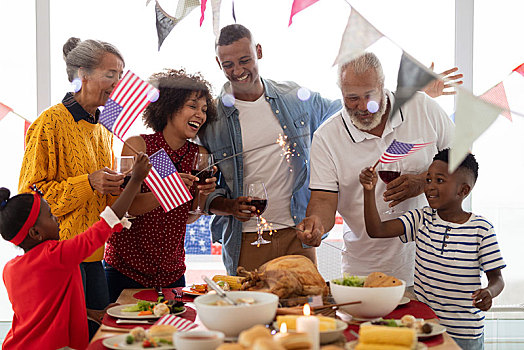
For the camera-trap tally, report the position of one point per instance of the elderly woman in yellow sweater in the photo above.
(69, 155)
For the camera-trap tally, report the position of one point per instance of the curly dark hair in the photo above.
(469, 164)
(14, 212)
(231, 33)
(176, 87)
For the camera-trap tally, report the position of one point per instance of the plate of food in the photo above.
(146, 310)
(423, 329)
(352, 345)
(157, 337)
(195, 289)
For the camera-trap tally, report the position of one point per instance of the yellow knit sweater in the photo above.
(60, 154)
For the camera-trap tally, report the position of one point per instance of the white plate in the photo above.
(436, 329)
(404, 301)
(326, 337)
(352, 344)
(187, 290)
(116, 311)
(119, 342)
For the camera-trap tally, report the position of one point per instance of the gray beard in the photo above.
(377, 116)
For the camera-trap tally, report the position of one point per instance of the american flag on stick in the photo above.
(165, 182)
(399, 150)
(129, 98)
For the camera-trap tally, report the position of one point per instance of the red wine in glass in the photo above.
(388, 175)
(260, 205)
(202, 175)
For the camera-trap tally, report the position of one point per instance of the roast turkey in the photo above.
(287, 276)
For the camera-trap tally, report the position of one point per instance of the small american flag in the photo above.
(129, 98)
(165, 182)
(400, 150)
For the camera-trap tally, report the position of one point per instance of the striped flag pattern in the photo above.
(165, 182)
(129, 98)
(180, 323)
(399, 150)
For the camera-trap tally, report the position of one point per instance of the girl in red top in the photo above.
(44, 285)
(151, 253)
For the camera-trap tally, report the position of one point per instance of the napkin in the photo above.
(180, 323)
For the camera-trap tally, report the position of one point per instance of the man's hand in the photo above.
(368, 178)
(404, 187)
(311, 231)
(482, 299)
(240, 208)
(106, 181)
(436, 87)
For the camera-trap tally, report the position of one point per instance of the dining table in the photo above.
(129, 296)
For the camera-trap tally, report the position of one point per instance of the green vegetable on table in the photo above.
(140, 306)
(130, 339)
(350, 281)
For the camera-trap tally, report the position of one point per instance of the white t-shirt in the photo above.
(340, 151)
(260, 127)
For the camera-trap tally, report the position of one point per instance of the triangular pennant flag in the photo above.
(497, 96)
(4, 110)
(215, 7)
(233, 10)
(358, 35)
(202, 10)
(165, 23)
(520, 69)
(411, 78)
(147, 2)
(472, 117)
(299, 5)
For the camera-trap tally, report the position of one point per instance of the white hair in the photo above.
(361, 64)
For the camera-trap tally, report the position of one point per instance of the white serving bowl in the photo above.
(376, 302)
(198, 340)
(233, 319)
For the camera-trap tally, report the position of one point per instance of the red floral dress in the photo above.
(152, 252)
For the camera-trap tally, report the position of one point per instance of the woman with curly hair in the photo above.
(151, 253)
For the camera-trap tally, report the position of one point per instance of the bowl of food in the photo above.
(253, 308)
(378, 293)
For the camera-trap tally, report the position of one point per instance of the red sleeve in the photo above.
(75, 250)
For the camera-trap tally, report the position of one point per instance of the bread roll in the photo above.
(248, 337)
(379, 279)
(371, 334)
(292, 341)
(266, 344)
(163, 331)
(231, 346)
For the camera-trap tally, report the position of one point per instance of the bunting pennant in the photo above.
(215, 7)
(165, 182)
(165, 23)
(472, 117)
(358, 35)
(299, 5)
(233, 10)
(412, 77)
(520, 69)
(202, 10)
(497, 96)
(4, 110)
(129, 98)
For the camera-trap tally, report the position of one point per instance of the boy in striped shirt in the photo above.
(453, 247)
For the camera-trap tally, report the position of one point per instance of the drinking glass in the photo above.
(389, 172)
(202, 168)
(258, 194)
(124, 165)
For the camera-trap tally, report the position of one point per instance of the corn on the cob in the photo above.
(235, 282)
(326, 323)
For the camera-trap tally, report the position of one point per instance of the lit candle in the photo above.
(280, 337)
(310, 325)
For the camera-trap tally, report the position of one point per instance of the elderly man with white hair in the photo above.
(355, 138)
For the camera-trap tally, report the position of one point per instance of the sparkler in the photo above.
(264, 225)
(287, 151)
(254, 149)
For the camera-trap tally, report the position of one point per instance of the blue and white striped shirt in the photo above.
(449, 258)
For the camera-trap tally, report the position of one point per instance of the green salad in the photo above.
(350, 281)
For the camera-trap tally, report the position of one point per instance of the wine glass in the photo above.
(124, 165)
(389, 172)
(258, 194)
(202, 168)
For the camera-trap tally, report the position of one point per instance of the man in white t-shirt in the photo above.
(355, 138)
